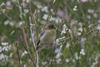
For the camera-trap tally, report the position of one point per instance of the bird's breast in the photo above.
(48, 37)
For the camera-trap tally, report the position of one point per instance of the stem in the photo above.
(37, 55)
(26, 43)
(37, 59)
(18, 54)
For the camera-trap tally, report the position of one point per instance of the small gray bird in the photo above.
(47, 37)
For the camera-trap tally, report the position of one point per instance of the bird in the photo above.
(47, 37)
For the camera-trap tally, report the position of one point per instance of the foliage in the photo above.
(78, 32)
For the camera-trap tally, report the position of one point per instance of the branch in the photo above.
(26, 44)
(18, 54)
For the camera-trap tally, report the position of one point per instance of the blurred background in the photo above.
(78, 32)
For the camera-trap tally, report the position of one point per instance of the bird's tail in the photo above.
(38, 45)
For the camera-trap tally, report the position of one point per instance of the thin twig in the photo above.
(37, 55)
(32, 18)
(24, 33)
(18, 54)
(27, 47)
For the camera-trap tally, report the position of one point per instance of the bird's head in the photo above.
(50, 26)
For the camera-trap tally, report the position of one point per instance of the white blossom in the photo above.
(26, 11)
(58, 55)
(73, 60)
(27, 1)
(98, 27)
(67, 45)
(38, 4)
(58, 60)
(54, 1)
(52, 18)
(24, 53)
(5, 48)
(11, 23)
(80, 29)
(82, 52)
(88, 17)
(91, 11)
(76, 56)
(9, 5)
(75, 8)
(64, 29)
(3, 57)
(44, 63)
(62, 38)
(99, 21)
(83, 1)
(57, 50)
(4, 43)
(57, 41)
(58, 20)
(79, 33)
(80, 24)
(0, 49)
(67, 60)
(6, 22)
(20, 23)
(82, 41)
(2, 4)
(25, 65)
(95, 15)
(45, 16)
(45, 9)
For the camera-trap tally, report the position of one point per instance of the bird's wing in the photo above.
(42, 33)
(38, 43)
